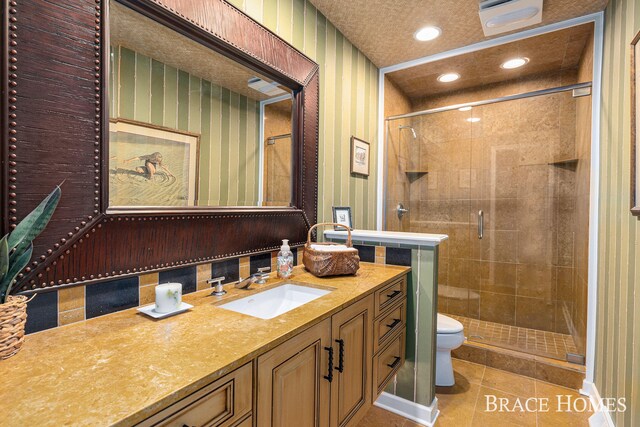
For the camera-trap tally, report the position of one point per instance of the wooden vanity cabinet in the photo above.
(389, 332)
(321, 377)
(351, 332)
(225, 402)
(387, 362)
(292, 388)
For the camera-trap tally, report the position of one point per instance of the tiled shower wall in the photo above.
(523, 270)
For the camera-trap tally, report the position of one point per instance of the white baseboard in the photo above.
(421, 414)
(601, 417)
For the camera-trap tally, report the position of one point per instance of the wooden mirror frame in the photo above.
(55, 73)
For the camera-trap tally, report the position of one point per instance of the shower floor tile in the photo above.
(549, 344)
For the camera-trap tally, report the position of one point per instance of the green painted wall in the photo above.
(617, 369)
(348, 101)
(149, 91)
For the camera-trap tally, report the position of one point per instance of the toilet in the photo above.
(450, 336)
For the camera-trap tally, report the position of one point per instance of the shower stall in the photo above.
(507, 180)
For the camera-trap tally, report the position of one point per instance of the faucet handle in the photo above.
(218, 291)
(263, 274)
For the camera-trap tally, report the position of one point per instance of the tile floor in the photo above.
(464, 404)
(533, 341)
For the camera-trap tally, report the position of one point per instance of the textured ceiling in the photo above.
(560, 50)
(145, 36)
(383, 29)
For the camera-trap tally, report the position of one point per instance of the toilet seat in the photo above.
(447, 325)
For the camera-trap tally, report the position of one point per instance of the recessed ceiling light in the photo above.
(427, 33)
(473, 119)
(464, 108)
(515, 63)
(449, 77)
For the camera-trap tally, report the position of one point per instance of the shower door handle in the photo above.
(400, 209)
(480, 224)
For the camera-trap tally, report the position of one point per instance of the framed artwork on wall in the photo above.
(635, 125)
(342, 215)
(152, 165)
(360, 151)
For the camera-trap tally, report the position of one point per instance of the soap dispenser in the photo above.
(285, 260)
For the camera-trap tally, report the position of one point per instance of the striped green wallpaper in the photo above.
(348, 101)
(149, 91)
(617, 369)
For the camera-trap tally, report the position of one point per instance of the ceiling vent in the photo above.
(270, 89)
(501, 16)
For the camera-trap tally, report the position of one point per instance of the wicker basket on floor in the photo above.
(13, 316)
(330, 263)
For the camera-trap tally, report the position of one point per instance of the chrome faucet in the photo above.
(218, 290)
(260, 278)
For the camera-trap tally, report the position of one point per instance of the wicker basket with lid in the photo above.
(322, 263)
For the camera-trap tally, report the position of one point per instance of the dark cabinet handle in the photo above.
(394, 324)
(393, 294)
(395, 363)
(329, 376)
(340, 367)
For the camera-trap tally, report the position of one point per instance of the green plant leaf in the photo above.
(14, 270)
(17, 252)
(4, 257)
(35, 222)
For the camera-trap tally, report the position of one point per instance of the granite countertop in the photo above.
(123, 367)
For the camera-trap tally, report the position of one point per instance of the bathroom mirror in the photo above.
(63, 136)
(190, 127)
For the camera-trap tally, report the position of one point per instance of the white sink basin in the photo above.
(276, 301)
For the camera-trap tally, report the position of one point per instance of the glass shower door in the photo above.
(522, 208)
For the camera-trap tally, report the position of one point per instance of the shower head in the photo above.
(413, 131)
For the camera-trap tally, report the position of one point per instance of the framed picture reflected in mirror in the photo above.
(152, 165)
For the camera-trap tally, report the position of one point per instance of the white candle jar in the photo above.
(168, 297)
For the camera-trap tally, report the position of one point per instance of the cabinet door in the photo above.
(351, 330)
(292, 390)
(221, 403)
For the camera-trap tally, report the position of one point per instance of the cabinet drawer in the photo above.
(221, 403)
(388, 324)
(387, 363)
(390, 294)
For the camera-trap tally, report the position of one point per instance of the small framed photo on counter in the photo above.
(359, 156)
(342, 215)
